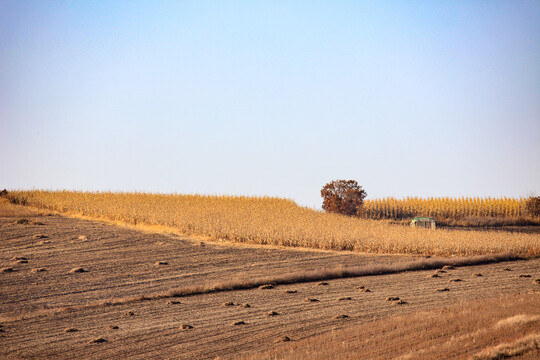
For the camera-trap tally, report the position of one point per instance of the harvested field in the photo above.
(37, 307)
(484, 329)
(120, 262)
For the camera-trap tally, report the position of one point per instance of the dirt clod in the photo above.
(68, 330)
(245, 305)
(399, 302)
(129, 313)
(364, 290)
(443, 289)
(82, 237)
(290, 291)
(283, 339)
(434, 275)
(158, 263)
(456, 280)
(266, 287)
(342, 316)
(478, 275)
(17, 258)
(392, 298)
(113, 327)
(345, 298)
(6, 269)
(40, 236)
(21, 222)
(21, 261)
(448, 267)
(271, 313)
(309, 300)
(507, 269)
(239, 323)
(322, 284)
(186, 327)
(228, 303)
(97, 341)
(173, 302)
(36, 270)
(524, 276)
(77, 270)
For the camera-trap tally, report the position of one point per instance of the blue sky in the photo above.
(409, 98)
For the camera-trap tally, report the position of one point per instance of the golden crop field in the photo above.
(266, 220)
(444, 207)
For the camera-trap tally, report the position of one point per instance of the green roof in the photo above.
(423, 218)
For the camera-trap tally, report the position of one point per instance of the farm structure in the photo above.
(423, 222)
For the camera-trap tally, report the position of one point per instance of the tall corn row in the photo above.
(266, 220)
(443, 207)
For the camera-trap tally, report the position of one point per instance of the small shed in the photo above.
(423, 222)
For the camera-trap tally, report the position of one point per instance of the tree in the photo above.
(532, 206)
(343, 197)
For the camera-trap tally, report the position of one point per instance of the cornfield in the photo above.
(266, 220)
(444, 208)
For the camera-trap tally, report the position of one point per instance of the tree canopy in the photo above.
(343, 197)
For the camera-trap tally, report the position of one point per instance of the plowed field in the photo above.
(44, 314)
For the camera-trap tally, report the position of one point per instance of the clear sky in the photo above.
(409, 98)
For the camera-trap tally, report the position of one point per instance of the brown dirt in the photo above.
(122, 261)
(500, 327)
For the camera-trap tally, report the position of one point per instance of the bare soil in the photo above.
(120, 262)
(484, 329)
